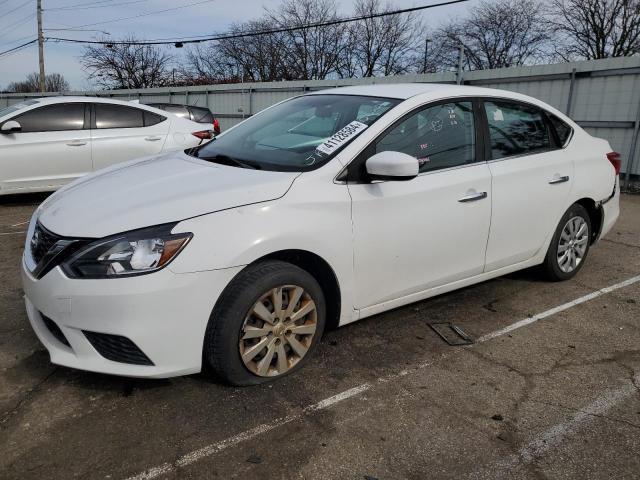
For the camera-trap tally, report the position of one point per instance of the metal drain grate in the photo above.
(451, 333)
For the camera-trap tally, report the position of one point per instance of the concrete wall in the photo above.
(601, 95)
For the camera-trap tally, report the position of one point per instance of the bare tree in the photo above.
(496, 34)
(311, 52)
(386, 45)
(126, 65)
(54, 82)
(591, 29)
(299, 45)
(207, 64)
(256, 58)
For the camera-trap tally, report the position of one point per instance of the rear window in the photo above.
(563, 130)
(151, 118)
(118, 116)
(178, 110)
(52, 118)
(201, 115)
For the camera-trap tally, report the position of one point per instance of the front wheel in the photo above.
(267, 323)
(570, 244)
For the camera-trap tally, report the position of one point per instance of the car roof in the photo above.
(434, 92)
(164, 104)
(404, 91)
(85, 98)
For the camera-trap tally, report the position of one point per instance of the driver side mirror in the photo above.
(392, 166)
(10, 127)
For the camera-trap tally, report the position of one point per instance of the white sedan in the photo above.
(321, 210)
(48, 142)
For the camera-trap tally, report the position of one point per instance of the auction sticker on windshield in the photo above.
(341, 137)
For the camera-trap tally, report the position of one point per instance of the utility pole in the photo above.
(460, 64)
(426, 51)
(40, 46)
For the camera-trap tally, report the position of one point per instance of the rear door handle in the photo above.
(472, 197)
(76, 143)
(152, 139)
(559, 179)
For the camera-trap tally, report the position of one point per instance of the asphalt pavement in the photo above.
(549, 389)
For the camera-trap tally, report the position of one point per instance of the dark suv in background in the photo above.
(197, 114)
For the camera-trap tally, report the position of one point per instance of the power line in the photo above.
(135, 16)
(16, 24)
(17, 8)
(18, 40)
(255, 33)
(19, 47)
(93, 5)
(80, 5)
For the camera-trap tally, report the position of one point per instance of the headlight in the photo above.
(127, 254)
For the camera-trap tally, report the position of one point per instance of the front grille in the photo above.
(41, 242)
(117, 348)
(55, 330)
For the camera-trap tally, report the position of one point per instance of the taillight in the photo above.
(216, 126)
(203, 134)
(614, 158)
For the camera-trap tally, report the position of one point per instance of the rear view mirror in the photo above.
(392, 166)
(10, 127)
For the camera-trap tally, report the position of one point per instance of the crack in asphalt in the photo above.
(580, 410)
(624, 244)
(30, 393)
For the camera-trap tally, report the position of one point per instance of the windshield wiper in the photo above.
(232, 162)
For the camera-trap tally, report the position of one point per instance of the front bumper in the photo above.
(163, 313)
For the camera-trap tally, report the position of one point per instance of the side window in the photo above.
(151, 118)
(563, 130)
(516, 129)
(52, 118)
(177, 110)
(441, 136)
(201, 115)
(109, 115)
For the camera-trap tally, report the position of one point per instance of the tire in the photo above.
(234, 319)
(558, 264)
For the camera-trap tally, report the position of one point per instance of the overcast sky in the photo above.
(19, 26)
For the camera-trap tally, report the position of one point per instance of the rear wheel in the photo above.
(570, 244)
(267, 324)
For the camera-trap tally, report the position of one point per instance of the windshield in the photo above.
(14, 108)
(300, 134)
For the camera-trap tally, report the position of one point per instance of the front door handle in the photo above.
(472, 197)
(76, 143)
(559, 179)
(152, 139)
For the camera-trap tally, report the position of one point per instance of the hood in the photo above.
(155, 190)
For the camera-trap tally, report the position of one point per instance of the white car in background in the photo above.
(48, 142)
(323, 209)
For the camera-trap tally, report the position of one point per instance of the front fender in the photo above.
(304, 219)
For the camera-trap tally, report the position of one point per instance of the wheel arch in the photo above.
(596, 216)
(320, 269)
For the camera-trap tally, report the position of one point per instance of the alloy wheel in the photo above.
(572, 245)
(278, 331)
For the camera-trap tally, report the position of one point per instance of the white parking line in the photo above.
(553, 437)
(214, 448)
(13, 233)
(558, 309)
(21, 223)
(531, 449)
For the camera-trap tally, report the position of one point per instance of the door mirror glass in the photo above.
(390, 165)
(11, 127)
